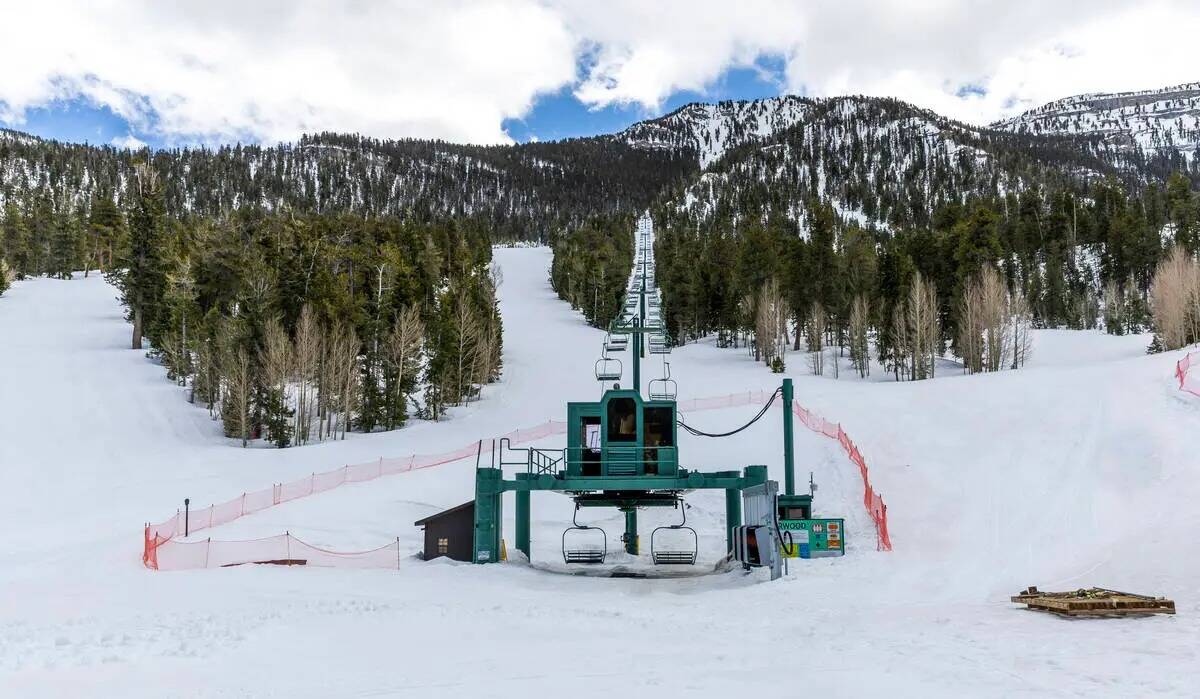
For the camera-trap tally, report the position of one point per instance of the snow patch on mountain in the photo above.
(1149, 121)
(711, 130)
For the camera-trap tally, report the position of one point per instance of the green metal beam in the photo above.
(692, 481)
(789, 466)
(619, 500)
(522, 516)
(733, 515)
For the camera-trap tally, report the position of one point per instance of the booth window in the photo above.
(622, 420)
(659, 432)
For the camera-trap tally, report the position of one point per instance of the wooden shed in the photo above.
(450, 533)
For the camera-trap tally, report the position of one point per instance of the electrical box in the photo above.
(813, 538)
(753, 545)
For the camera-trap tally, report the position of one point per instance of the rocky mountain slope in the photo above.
(1151, 125)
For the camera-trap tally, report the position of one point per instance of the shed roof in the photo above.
(444, 513)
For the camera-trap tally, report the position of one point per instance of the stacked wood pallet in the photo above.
(1094, 601)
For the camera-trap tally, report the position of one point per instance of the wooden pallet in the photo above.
(1094, 601)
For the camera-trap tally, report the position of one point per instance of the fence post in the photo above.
(186, 506)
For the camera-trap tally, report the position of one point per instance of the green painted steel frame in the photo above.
(490, 485)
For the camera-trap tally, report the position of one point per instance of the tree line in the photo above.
(291, 327)
(972, 282)
(592, 265)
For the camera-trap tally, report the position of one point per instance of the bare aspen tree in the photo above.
(486, 356)
(970, 328)
(900, 340)
(330, 392)
(307, 368)
(1173, 297)
(275, 355)
(1021, 318)
(770, 321)
(1114, 308)
(403, 348)
(993, 311)
(860, 349)
(924, 328)
(763, 333)
(748, 316)
(466, 330)
(815, 337)
(348, 376)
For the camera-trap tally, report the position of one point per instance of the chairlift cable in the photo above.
(753, 420)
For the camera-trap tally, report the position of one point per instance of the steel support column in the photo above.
(631, 532)
(522, 516)
(733, 515)
(789, 466)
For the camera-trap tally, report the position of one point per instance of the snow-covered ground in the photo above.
(1079, 470)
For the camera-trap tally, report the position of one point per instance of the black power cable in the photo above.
(753, 420)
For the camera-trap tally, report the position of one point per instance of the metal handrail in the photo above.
(573, 456)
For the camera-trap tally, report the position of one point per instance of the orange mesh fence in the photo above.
(1187, 382)
(183, 555)
(871, 500)
(284, 549)
(159, 535)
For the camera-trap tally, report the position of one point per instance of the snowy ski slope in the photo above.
(1079, 470)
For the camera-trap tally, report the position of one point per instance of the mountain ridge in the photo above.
(851, 149)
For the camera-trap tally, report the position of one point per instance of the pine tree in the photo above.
(16, 241)
(104, 237)
(64, 246)
(5, 276)
(140, 273)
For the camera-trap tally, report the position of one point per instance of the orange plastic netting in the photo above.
(1187, 382)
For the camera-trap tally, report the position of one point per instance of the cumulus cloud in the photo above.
(270, 70)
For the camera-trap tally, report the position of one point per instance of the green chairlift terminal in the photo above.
(622, 452)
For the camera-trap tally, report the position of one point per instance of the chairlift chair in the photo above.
(680, 554)
(582, 545)
(608, 369)
(616, 343)
(665, 388)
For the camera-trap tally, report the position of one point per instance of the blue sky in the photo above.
(560, 115)
(554, 116)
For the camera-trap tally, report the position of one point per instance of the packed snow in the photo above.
(1078, 470)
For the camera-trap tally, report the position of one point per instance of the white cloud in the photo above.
(273, 69)
(1023, 53)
